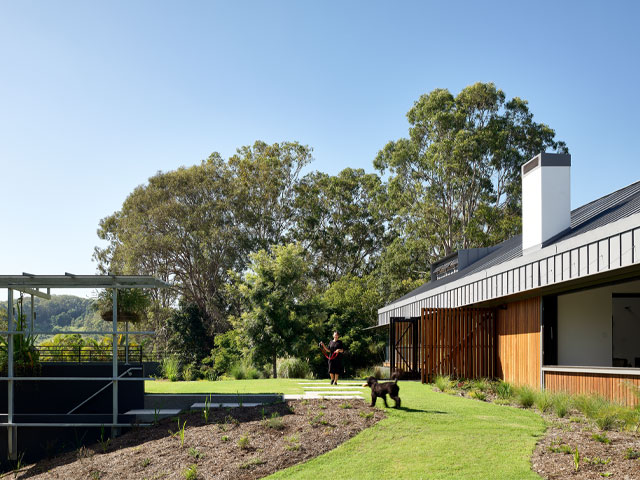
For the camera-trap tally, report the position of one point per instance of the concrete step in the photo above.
(184, 401)
(148, 415)
(202, 406)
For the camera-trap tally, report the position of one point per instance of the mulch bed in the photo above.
(238, 443)
(596, 458)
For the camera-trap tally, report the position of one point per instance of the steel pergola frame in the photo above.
(31, 285)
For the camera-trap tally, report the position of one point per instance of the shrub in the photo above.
(252, 373)
(292, 443)
(631, 454)
(275, 422)
(504, 390)
(293, 367)
(242, 371)
(525, 396)
(480, 384)
(243, 442)
(443, 382)
(237, 372)
(171, 368)
(191, 472)
(189, 373)
(478, 395)
(252, 463)
(378, 372)
(601, 437)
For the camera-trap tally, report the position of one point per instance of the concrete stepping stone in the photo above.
(338, 387)
(326, 383)
(330, 392)
(151, 415)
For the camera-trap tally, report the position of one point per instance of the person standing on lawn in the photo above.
(334, 354)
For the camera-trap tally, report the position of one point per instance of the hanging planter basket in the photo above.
(122, 316)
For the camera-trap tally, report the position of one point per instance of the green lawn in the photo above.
(434, 436)
(279, 385)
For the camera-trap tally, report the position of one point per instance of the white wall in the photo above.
(546, 204)
(584, 325)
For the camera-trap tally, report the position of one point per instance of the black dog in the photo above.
(382, 389)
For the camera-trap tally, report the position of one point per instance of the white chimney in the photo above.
(546, 199)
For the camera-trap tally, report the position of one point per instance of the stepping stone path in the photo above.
(318, 390)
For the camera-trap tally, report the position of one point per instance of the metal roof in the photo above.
(69, 280)
(608, 209)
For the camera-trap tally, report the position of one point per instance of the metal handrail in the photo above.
(128, 370)
(81, 354)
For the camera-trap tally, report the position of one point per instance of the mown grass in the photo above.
(434, 436)
(272, 385)
(279, 385)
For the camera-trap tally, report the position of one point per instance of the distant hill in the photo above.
(62, 312)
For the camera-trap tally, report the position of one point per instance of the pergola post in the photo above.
(12, 433)
(114, 418)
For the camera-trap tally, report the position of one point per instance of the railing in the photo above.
(92, 354)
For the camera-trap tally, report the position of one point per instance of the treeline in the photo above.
(266, 261)
(61, 313)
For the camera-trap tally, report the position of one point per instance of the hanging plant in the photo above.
(132, 304)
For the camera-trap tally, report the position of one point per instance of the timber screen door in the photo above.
(404, 339)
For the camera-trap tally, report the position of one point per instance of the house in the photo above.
(557, 307)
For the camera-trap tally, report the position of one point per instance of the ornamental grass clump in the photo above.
(608, 419)
(561, 403)
(525, 396)
(443, 383)
(241, 371)
(543, 401)
(591, 406)
(478, 395)
(504, 390)
(293, 368)
(171, 368)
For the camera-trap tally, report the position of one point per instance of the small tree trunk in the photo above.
(275, 370)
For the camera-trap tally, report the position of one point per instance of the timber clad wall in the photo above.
(613, 387)
(459, 342)
(518, 348)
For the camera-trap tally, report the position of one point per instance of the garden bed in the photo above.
(607, 444)
(239, 443)
(601, 454)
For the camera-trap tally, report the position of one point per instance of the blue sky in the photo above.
(95, 97)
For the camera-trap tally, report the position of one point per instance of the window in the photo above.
(625, 325)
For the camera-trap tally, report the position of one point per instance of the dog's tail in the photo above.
(395, 376)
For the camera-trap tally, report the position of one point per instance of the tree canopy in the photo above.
(268, 257)
(279, 304)
(454, 183)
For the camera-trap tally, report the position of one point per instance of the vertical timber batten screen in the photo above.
(460, 342)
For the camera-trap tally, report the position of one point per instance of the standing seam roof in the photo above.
(608, 209)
